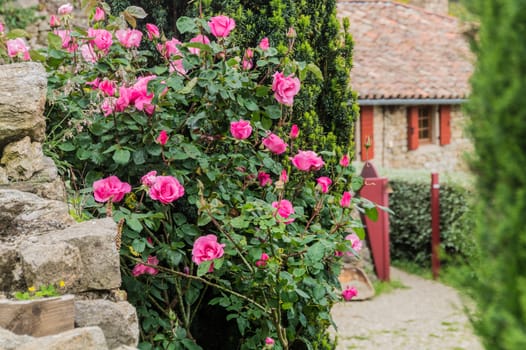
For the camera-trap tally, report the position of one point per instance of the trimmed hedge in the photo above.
(410, 223)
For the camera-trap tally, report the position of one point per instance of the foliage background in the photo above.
(497, 109)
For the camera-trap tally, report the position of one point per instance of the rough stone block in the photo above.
(100, 265)
(23, 89)
(45, 263)
(118, 320)
(87, 338)
(22, 213)
(22, 159)
(10, 269)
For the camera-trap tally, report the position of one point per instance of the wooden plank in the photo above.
(39, 317)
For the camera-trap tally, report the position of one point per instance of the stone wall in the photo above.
(391, 145)
(41, 243)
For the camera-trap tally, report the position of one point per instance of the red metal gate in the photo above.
(375, 189)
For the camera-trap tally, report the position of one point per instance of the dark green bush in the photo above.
(498, 110)
(410, 225)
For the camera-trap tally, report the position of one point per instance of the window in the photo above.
(425, 124)
(428, 125)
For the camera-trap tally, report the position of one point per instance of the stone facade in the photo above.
(391, 144)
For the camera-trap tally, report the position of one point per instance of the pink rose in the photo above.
(17, 47)
(108, 106)
(110, 188)
(198, 39)
(177, 66)
(264, 44)
(65, 36)
(124, 99)
(162, 138)
(99, 15)
(149, 179)
(307, 161)
(344, 161)
(108, 87)
(88, 53)
(221, 26)
(247, 59)
(294, 131)
(102, 39)
(65, 9)
(241, 129)
(166, 189)
(269, 341)
(285, 88)
(275, 144)
(356, 242)
(129, 38)
(54, 21)
(324, 183)
(264, 179)
(345, 202)
(153, 31)
(94, 83)
(207, 248)
(284, 208)
(141, 269)
(284, 176)
(262, 262)
(170, 48)
(349, 293)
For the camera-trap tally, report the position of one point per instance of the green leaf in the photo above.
(372, 213)
(239, 222)
(66, 146)
(134, 224)
(138, 245)
(186, 24)
(314, 69)
(121, 156)
(54, 41)
(242, 324)
(136, 12)
(190, 344)
(188, 87)
(315, 252)
(203, 268)
(273, 111)
(356, 183)
(20, 33)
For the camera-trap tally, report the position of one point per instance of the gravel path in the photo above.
(426, 316)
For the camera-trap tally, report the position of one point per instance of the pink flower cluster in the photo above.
(110, 188)
(285, 88)
(141, 269)
(262, 262)
(18, 48)
(349, 293)
(207, 248)
(284, 209)
(165, 189)
(136, 95)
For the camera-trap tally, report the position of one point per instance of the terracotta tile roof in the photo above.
(405, 52)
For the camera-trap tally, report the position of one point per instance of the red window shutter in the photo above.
(412, 128)
(367, 132)
(445, 125)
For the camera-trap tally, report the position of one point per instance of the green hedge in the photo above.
(410, 223)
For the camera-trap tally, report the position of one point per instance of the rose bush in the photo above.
(227, 227)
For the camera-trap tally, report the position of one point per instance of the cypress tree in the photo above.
(498, 111)
(326, 108)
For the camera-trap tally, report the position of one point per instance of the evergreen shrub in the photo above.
(498, 112)
(410, 222)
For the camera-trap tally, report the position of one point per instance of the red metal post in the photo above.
(435, 224)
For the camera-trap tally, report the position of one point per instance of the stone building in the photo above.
(411, 71)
